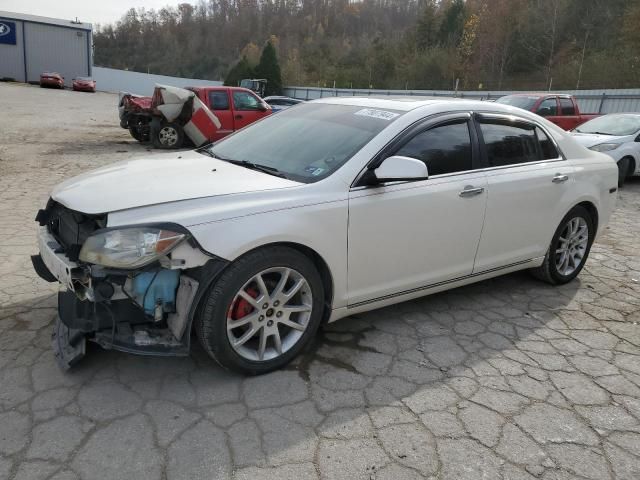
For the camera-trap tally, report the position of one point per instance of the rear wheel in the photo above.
(167, 135)
(265, 308)
(569, 248)
(623, 170)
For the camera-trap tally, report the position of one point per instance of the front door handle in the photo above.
(559, 178)
(471, 191)
(238, 117)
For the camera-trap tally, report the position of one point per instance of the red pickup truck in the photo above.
(557, 108)
(173, 116)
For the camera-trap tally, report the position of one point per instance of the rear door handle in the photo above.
(238, 117)
(471, 191)
(560, 178)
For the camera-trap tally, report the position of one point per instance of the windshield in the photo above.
(306, 143)
(83, 79)
(618, 125)
(520, 101)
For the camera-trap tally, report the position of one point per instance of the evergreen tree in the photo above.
(269, 69)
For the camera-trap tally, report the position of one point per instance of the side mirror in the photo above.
(637, 138)
(544, 112)
(263, 107)
(398, 169)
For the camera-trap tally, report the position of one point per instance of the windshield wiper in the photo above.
(256, 166)
(247, 164)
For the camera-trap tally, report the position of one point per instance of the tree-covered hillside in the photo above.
(490, 44)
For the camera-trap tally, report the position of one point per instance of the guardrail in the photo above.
(589, 101)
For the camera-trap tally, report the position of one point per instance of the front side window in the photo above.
(306, 143)
(548, 108)
(444, 149)
(245, 101)
(219, 100)
(510, 143)
(567, 107)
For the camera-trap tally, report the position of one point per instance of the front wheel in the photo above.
(569, 248)
(263, 310)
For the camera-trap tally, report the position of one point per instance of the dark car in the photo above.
(84, 84)
(51, 80)
(281, 103)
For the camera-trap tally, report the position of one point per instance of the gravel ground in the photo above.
(506, 379)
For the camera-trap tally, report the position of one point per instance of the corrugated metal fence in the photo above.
(589, 101)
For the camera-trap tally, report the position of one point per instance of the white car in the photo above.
(331, 208)
(617, 135)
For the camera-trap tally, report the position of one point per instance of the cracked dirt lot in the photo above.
(506, 379)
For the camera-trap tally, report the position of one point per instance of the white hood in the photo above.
(590, 139)
(160, 179)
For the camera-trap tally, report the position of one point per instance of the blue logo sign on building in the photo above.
(7, 32)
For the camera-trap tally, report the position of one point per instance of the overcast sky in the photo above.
(92, 11)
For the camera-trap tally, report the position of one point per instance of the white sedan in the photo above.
(331, 208)
(617, 135)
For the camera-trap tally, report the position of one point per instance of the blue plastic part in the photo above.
(152, 288)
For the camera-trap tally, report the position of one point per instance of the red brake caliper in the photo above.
(241, 307)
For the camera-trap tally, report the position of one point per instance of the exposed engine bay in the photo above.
(146, 310)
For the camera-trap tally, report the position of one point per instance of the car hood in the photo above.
(590, 139)
(160, 179)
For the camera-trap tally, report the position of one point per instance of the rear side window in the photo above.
(219, 100)
(567, 106)
(547, 147)
(444, 149)
(515, 143)
(510, 143)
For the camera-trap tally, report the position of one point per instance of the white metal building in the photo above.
(30, 45)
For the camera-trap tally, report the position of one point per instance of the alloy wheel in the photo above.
(168, 136)
(269, 314)
(572, 246)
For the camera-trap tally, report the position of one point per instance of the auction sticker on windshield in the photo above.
(381, 114)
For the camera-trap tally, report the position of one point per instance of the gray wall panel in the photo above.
(52, 48)
(12, 57)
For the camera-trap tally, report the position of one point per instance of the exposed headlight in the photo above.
(604, 147)
(129, 247)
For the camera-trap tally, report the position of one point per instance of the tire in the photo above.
(135, 133)
(623, 170)
(550, 271)
(223, 306)
(167, 135)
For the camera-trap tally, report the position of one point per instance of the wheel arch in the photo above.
(633, 163)
(593, 211)
(319, 262)
(322, 266)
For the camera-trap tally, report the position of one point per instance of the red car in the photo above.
(51, 79)
(560, 109)
(84, 84)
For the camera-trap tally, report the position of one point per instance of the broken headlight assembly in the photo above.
(129, 248)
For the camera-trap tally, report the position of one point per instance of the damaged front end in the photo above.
(134, 289)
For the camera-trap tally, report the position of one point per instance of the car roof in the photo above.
(409, 102)
(535, 94)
